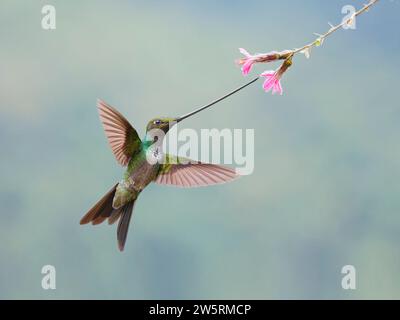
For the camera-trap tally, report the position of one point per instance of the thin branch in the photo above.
(333, 29)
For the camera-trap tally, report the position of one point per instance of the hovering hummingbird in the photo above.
(129, 150)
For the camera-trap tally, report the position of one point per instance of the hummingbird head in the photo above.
(163, 124)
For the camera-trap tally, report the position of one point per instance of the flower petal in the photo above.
(247, 67)
(279, 87)
(244, 52)
(272, 81)
(267, 73)
(269, 83)
(274, 88)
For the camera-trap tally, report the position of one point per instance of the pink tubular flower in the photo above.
(246, 62)
(273, 78)
(272, 81)
(249, 60)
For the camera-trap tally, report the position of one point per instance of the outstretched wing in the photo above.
(185, 173)
(123, 139)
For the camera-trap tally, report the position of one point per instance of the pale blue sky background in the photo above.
(325, 192)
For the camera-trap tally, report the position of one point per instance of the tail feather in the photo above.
(100, 219)
(123, 224)
(101, 210)
(115, 216)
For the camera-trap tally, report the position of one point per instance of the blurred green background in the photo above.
(325, 191)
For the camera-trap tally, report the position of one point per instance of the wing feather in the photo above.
(122, 137)
(187, 174)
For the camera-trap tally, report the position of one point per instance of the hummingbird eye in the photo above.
(157, 122)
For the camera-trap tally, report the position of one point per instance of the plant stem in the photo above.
(335, 28)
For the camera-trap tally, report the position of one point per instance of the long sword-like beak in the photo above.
(215, 101)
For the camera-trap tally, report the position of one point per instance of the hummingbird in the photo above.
(141, 159)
